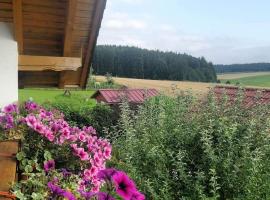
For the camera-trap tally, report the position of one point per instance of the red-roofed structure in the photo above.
(115, 96)
(251, 96)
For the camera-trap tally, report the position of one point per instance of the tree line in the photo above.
(250, 67)
(133, 62)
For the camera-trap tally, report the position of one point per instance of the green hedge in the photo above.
(81, 112)
(181, 148)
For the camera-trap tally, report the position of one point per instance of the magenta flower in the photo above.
(49, 165)
(31, 121)
(137, 196)
(12, 108)
(106, 174)
(59, 192)
(82, 136)
(82, 154)
(7, 121)
(125, 187)
(49, 135)
(107, 152)
(104, 196)
(65, 133)
(31, 106)
(38, 126)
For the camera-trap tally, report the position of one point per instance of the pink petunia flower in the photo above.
(82, 154)
(31, 121)
(107, 152)
(12, 108)
(49, 165)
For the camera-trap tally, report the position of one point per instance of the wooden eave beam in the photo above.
(95, 26)
(71, 11)
(18, 23)
(42, 63)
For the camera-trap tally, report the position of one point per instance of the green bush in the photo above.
(182, 148)
(82, 113)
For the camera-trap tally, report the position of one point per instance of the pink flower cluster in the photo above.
(92, 151)
(7, 116)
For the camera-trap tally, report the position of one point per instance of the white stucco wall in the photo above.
(8, 66)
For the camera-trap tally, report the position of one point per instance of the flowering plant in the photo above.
(10, 123)
(47, 134)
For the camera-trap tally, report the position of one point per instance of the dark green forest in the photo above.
(133, 62)
(251, 67)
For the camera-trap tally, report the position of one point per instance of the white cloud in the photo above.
(140, 29)
(124, 24)
(132, 1)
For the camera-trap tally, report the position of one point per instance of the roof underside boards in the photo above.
(251, 96)
(60, 28)
(6, 11)
(136, 96)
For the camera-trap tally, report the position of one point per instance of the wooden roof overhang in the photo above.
(56, 38)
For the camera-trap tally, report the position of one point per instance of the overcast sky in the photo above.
(223, 31)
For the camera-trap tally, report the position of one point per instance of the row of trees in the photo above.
(251, 67)
(133, 62)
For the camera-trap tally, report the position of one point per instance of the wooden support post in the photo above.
(97, 18)
(18, 23)
(71, 11)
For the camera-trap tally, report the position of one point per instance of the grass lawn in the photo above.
(259, 81)
(44, 95)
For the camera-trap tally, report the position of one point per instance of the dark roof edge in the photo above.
(100, 6)
(242, 88)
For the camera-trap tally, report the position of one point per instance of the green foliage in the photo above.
(182, 148)
(108, 84)
(49, 95)
(85, 113)
(133, 62)
(259, 81)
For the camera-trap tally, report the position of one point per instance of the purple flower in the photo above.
(7, 121)
(125, 187)
(137, 196)
(104, 196)
(49, 165)
(87, 195)
(57, 191)
(106, 174)
(12, 108)
(31, 106)
(31, 120)
(68, 195)
(66, 173)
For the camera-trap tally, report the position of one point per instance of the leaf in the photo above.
(20, 156)
(47, 155)
(19, 195)
(28, 169)
(37, 196)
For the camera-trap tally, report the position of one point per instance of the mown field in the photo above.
(167, 87)
(257, 79)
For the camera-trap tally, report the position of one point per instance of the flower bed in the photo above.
(60, 161)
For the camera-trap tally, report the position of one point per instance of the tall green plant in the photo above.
(182, 148)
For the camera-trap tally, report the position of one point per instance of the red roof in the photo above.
(136, 96)
(252, 96)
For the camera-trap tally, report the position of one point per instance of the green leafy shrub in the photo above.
(182, 148)
(83, 113)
